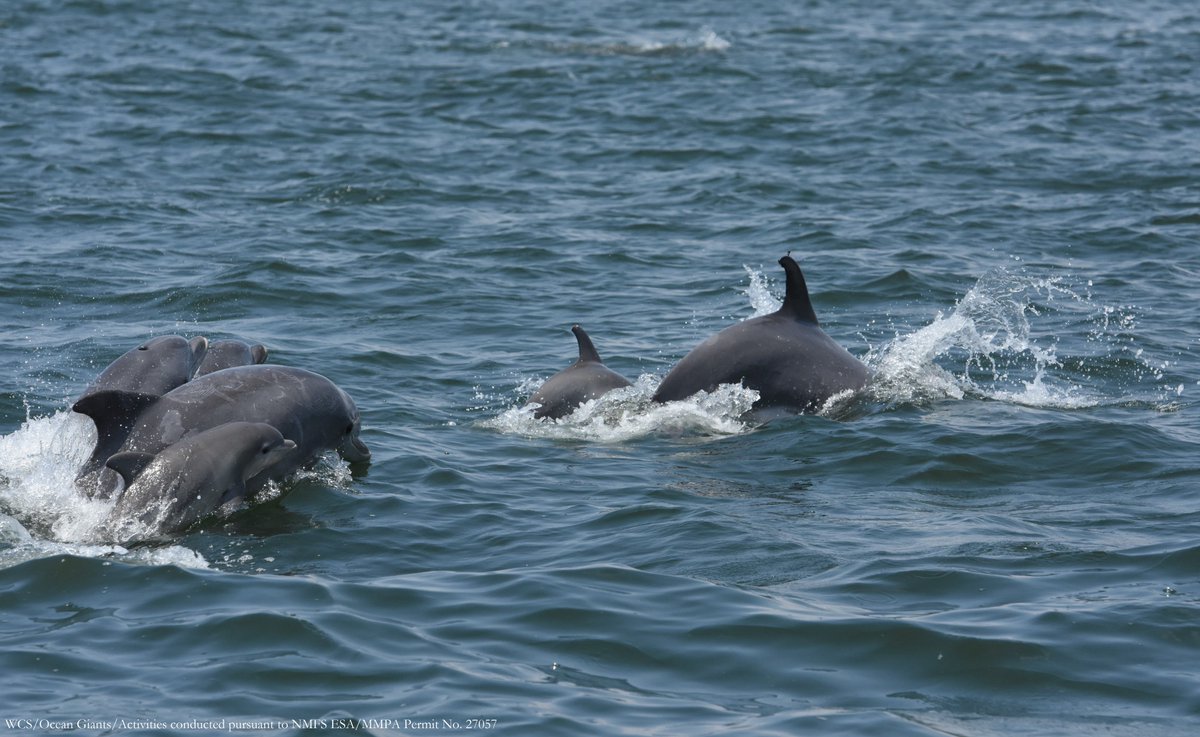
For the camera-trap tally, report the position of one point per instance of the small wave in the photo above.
(705, 42)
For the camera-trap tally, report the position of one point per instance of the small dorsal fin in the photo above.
(258, 353)
(234, 493)
(199, 346)
(129, 464)
(587, 351)
(797, 303)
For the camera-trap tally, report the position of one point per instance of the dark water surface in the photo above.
(997, 208)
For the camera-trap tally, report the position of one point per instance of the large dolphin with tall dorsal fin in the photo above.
(785, 356)
(586, 379)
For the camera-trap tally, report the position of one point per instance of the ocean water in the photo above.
(997, 207)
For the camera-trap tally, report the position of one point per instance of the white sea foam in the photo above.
(627, 414)
(705, 41)
(45, 514)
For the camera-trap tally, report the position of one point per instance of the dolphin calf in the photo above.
(194, 477)
(588, 378)
(223, 354)
(785, 356)
(307, 408)
(132, 383)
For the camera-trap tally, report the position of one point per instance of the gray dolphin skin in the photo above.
(586, 379)
(305, 407)
(195, 477)
(223, 354)
(132, 383)
(785, 356)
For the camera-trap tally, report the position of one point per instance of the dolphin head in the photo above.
(265, 446)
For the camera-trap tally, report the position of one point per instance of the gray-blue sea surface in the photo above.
(997, 208)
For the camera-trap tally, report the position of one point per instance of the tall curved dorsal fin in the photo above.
(587, 351)
(796, 303)
(113, 410)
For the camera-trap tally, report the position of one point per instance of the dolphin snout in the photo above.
(355, 450)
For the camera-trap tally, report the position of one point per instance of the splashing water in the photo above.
(627, 414)
(706, 41)
(758, 292)
(39, 462)
(988, 347)
(42, 512)
(45, 513)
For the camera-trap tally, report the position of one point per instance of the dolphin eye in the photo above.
(265, 449)
(349, 429)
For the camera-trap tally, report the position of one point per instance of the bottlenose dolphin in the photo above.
(223, 354)
(132, 383)
(588, 378)
(785, 356)
(195, 477)
(305, 407)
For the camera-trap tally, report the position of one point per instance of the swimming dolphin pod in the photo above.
(785, 356)
(186, 429)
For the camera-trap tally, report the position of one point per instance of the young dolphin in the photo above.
(588, 378)
(132, 383)
(785, 356)
(193, 478)
(223, 354)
